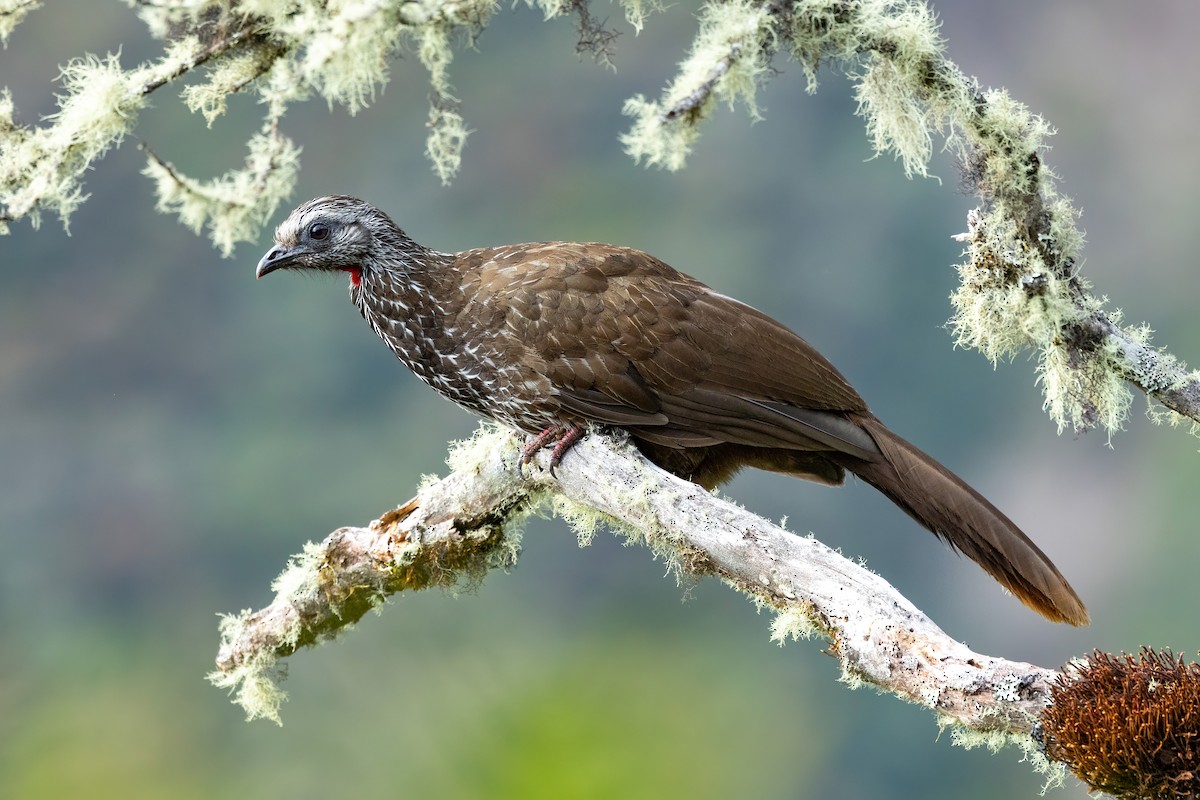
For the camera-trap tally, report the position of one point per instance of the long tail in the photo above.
(960, 516)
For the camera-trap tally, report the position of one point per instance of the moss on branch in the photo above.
(1020, 285)
(459, 527)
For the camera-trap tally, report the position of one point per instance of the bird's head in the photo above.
(338, 234)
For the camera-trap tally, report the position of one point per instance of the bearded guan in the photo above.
(549, 337)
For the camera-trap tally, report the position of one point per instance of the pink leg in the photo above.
(563, 437)
(538, 442)
(573, 433)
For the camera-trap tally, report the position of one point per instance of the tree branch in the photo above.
(1020, 285)
(246, 36)
(457, 528)
(11, 14)
(452, 532)
(692, 104)
(1156, 372)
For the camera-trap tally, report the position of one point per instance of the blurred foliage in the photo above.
(170, 431)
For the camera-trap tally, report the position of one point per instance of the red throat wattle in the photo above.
(355, 275)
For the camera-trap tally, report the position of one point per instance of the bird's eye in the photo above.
(318, 231)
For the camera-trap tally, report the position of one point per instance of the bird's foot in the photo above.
(562, 437)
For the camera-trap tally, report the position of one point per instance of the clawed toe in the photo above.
(561, 437)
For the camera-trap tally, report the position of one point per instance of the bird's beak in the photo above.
(276, 258)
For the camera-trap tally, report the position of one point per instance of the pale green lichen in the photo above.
(506, 555)
(42, 168)
(636, 11)
(1018, 289)
(995, 741)
(305, 578)
(1163, 372)
(235, 206)
(437, 22)
(281, 86)
(728, 60)
(343, 50)
(853, 679)
(302, 575)
(164, 17)
(1010, 298)
(228, 76)
(1083, 391)
(254, 682)
(11, 14)
(583, 520)
(447, 130)
(284, 50)
(1158, 372)
(1006, 133)
(793, 623)
(893, 87)
(305, 582)
(447, 136)
(551, 9)
(346, 48)
(635, 497)
(1160, 415)
(1008, 688)
(905, 89)
(489, 441)
(818, 33)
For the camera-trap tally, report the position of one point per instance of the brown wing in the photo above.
(625, 339)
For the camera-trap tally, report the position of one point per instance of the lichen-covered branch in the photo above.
(1156, 372)
(284, 51)
(457, 528)
(451, 533)
(1020, 284)
(729, 58)
(11, 14)
(1012, 296)
(236, 205)
(42, 168)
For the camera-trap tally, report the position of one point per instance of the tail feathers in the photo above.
(961, 517)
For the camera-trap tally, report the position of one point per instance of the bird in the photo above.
(551, 338)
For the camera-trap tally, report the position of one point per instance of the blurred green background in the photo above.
(171, 430)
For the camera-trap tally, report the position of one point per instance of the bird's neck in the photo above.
(407, 303)
(415, 281)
